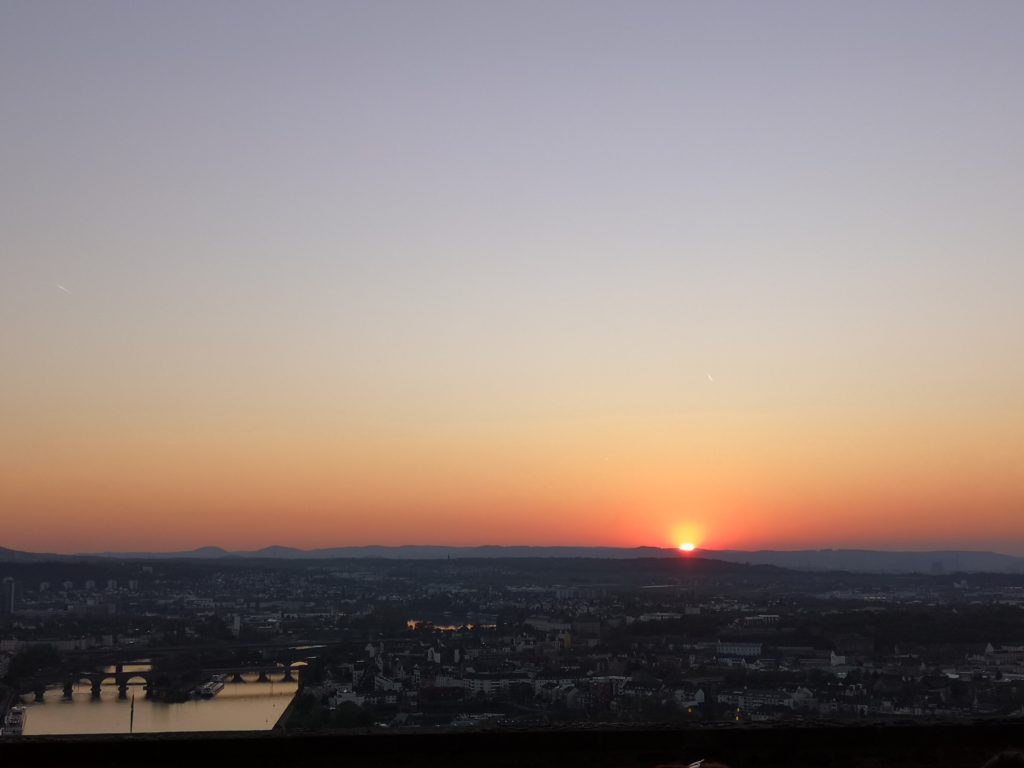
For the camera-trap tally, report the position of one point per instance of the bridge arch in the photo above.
(77, 683)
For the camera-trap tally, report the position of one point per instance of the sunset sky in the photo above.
(748, 274)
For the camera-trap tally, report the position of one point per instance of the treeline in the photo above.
(965, 624)
(309, 712)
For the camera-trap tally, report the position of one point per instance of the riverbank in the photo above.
(239, 707)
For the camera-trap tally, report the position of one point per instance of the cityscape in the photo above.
(510, 643)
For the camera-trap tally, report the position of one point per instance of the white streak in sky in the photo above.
(63, 288)
(711, 379)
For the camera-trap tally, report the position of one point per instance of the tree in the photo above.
(31, 661)
(306, 713)
(350, 715)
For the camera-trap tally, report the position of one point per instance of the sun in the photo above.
(687, 547)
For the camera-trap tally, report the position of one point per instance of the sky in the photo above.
(742, 274)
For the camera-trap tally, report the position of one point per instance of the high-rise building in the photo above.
(9, 595)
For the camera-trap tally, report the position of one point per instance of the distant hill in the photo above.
(855, 560)
(279, 551)
(14, 556)
(875, 561)
(429, 552)
(17, 556)
(201, 553)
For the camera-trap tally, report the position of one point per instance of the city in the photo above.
(522, 643)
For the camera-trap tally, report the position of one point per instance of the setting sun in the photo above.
(687, 547)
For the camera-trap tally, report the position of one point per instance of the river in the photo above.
(247, 706)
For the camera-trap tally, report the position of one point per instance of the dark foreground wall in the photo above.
(823, 746)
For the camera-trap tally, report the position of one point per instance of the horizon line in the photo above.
(663, 548)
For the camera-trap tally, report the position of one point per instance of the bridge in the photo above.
(84, 665)
(123, 678)
(96, 679)
(291, 673)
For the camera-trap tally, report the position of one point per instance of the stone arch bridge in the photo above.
(124, 677)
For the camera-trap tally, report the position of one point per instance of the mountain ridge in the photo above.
(853, 560)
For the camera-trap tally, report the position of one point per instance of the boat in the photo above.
(14, 723)
(210, 689)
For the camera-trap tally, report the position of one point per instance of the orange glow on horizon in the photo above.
(89, 482)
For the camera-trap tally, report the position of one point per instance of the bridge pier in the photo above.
(39, 693)
(288, 676)
(96, 688)
(237, 678)
(263, 676)
(69, 690)
(122, 689)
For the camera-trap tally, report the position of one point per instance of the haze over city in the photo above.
(329, 274)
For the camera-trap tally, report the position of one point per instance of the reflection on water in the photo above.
(250, 706)
(141, 666)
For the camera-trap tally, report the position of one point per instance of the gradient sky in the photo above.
(747, 274)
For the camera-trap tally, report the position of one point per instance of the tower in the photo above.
(8, 596)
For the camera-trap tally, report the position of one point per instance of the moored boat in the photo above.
(210, 689)
(14, 723)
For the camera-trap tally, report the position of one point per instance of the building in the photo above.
(745, 650)
(10, 596)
